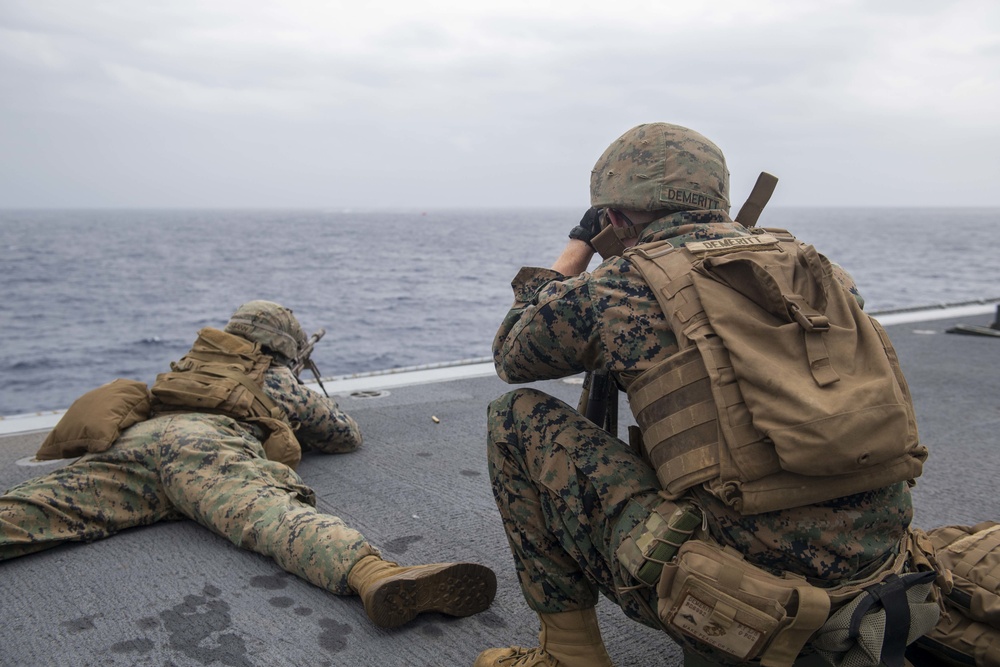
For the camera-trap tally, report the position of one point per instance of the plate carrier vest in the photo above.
(224, 374)
(784, 392)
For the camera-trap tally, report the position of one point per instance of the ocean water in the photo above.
(92, 295)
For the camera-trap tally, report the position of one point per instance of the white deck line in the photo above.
(403, 377)
(472, 368)
(942, 313)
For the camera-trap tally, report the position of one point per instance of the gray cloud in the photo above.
(451, 104)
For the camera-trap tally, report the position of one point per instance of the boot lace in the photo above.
(525, 657)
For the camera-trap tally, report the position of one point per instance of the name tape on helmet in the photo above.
(696, 200)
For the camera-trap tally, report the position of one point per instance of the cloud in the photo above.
(450, 99)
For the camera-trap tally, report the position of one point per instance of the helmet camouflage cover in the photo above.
(270, 324)
(659, 166)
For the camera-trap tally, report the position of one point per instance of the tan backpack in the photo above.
(784, 392)
(224, 373)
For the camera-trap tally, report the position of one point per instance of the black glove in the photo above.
(589, 227)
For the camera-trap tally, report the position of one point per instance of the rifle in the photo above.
(599, 397)
(303, 359)
(599, 400)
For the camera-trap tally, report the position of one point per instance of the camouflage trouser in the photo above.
(207, 468)
(568, 493)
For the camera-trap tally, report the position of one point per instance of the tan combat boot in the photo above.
(394, 595)
(567, 639)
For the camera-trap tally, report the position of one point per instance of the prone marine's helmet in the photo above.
(270, 324)
(660, 166)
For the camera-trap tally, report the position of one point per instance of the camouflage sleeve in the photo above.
(847, 282)
(318, 421)
(550, 331)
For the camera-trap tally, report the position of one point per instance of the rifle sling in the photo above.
(755, 203)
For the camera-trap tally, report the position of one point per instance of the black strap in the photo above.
(891, 595)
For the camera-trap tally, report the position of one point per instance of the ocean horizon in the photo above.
(96, 294)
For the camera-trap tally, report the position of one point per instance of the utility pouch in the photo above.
(712, 595)
(655, 542)
(721, 621)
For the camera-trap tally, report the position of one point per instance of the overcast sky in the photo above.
(321, 103)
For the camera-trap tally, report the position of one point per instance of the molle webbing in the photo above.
(968, 566)
(753, 405)
(675, 407)
(678, 402)
(221, 373)
(224, 374)
(972, 556)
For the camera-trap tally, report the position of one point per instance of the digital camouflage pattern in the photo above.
(609, 319)
(568, 493)
(319, 423)
(209, 468)
(660, 166)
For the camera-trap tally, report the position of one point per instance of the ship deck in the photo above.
(175, 594)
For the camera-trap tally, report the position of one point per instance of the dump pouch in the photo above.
(875, 627)
(714, 596)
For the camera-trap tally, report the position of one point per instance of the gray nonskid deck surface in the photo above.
(176, 595)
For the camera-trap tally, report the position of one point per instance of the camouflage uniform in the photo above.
(569, 492)
(206, 467)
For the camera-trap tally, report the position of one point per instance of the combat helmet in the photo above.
(270, 324)
(659, 166)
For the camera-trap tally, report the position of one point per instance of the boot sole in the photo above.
(457, 589)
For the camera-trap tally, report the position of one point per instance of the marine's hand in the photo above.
(588, 227)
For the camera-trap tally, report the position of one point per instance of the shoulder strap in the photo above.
(258, 392)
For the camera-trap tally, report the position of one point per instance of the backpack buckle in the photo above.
(806, 317)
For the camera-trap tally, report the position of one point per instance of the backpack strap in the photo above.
(273, 411)
(813, 610)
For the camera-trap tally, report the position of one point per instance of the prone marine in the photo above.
(216, 440)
